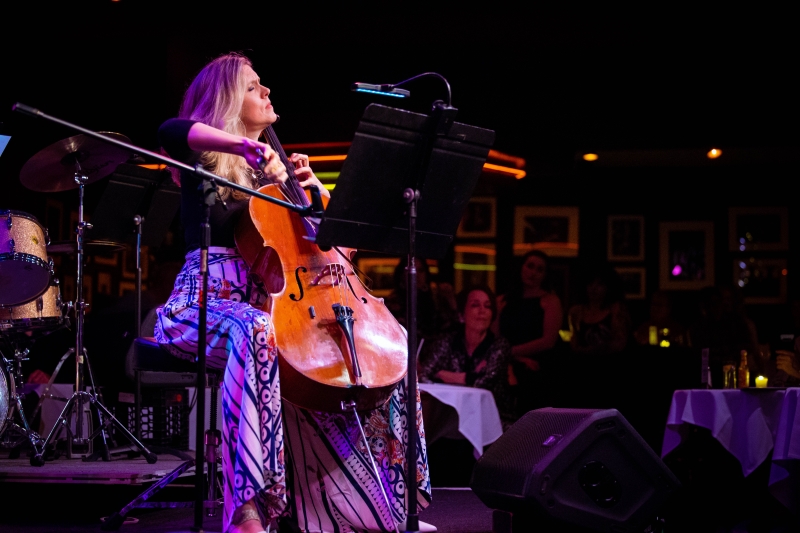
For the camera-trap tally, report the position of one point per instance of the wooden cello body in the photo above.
(336, 342)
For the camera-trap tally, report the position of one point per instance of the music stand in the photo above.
(131, 192)
(402, 190)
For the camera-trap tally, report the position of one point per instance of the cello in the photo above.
(338, 344)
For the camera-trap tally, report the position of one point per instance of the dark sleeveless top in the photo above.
(173, 135)
(522, 320)
(597, 334)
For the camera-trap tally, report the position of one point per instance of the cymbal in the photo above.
(89, 247)
(53, 169)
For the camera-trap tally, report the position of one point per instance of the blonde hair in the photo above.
(215, 98)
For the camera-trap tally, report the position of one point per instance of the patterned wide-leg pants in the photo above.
(332, 487)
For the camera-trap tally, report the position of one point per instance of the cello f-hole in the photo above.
(353, 290)
(299, 283)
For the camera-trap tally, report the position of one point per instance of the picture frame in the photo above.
(634, 282)
(474, 263)
(381, 271)
(479, 218)
(625, 238)
(762, 280)
(686, 255)
(553, 230)
(758, 229)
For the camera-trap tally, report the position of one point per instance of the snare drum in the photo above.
(43, 314)
(25, 272)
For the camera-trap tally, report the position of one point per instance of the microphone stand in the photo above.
(441, 118)
(209, 184)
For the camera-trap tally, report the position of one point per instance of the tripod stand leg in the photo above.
(43, 397)
(148, 455)
(38, 457)
(103, 453)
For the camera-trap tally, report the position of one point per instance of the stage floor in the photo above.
(69, 495)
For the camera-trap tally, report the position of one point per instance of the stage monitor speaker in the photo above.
(586, 467)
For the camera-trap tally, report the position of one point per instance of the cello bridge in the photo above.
(331, 274)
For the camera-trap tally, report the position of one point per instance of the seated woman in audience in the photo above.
(530, 317)
(601, 324)
(472, 355)
(661, 325)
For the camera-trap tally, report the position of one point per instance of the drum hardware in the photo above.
(46, 172)
(89, 247)
(11, 402)
(52, 169)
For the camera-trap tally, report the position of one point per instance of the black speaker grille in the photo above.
(512, 458)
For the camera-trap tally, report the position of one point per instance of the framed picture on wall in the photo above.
(634, 282)
(474, 264)
(758, 229)
(380, 271)
(763, 281)
(554, 230)
(479, 219)
(625, 238)
(686, 255)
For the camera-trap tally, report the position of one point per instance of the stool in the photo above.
(149, 365)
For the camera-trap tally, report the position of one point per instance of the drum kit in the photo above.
(31, 302)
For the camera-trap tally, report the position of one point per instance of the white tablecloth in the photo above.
(475, 415)
(749, 423)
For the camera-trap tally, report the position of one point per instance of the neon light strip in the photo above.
(327, 175)
(516, 161)
(327, 157)
(519, 174)
(465, 266)
(474, 250)
(546, 245)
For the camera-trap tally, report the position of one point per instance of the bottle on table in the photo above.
(729, 376)
(744, 371)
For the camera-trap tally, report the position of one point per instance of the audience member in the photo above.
(661, 328)
(600, 324)
(530, 317)
(471, 354)
(436, 308)
(725, 330)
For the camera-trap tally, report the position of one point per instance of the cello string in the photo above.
(291, 190)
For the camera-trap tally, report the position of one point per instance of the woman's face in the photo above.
(257, 111)
(478, 311)
(596, 291)
(533, 271)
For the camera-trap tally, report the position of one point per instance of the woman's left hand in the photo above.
(306, 175)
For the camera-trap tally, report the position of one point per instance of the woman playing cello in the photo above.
(324, 482)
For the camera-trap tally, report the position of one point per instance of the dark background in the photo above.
(658, 86)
